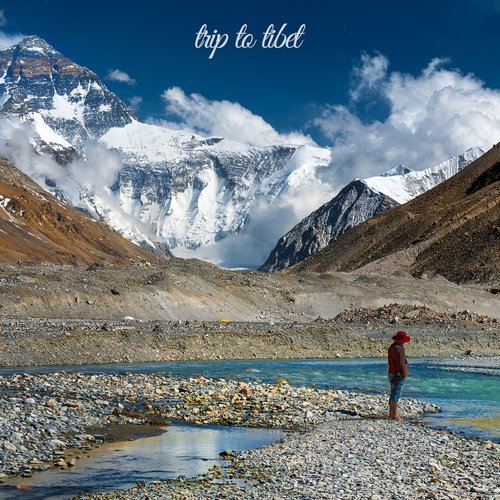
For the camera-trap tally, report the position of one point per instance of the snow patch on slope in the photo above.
(403, 188)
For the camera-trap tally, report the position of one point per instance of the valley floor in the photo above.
(341, 445)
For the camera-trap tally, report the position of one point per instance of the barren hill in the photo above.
(452, 230)
(35, 226)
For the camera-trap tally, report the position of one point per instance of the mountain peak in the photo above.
(397, 170)
(34, 43)
(68, 98)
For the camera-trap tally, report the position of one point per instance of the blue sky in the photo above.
(153, 42)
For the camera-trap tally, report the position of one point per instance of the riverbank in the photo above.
(341, 445)
(359, 333)
(47, 420)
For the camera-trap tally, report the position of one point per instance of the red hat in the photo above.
(401, 338)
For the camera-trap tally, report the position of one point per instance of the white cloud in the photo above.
(369, 75)
(135, 102)
(436, 114)
(96, 173)
(9, 39)
(226, 119)
(117, 75)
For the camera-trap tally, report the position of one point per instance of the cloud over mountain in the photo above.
(226, 119)
(430, 117)
(117, 75)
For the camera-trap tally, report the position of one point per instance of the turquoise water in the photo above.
(461, 395)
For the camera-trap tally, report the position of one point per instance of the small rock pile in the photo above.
(406, 314)
(206, 401)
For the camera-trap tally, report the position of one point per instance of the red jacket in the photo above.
(397, 359)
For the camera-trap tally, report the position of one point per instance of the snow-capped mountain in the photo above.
(174, 188)
(359, 201)
(196, 191)
(67, 103)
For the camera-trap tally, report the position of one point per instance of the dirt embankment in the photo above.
(63, 342)
(193, 310)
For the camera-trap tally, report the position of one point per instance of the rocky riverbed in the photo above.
(367, 459)
(488, 365)
(44, 416)
(340, 446)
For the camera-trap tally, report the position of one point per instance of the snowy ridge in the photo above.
(72, 100)
(403, 188)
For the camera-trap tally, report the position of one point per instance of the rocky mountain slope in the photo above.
(359, 201)
(354, 204)
(182, 190)
(35, 226)
(452, 230)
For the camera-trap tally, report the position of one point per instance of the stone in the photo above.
(74, 404)
(9, 446)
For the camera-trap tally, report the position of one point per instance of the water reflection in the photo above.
(183, 450)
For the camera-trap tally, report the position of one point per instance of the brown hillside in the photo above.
(35, 226)
(452, 230)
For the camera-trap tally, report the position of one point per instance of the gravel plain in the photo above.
(358, 333)
(43, 416)
(340, 444)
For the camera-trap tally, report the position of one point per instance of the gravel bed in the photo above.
(341, 445)
(488, 365)
(348, 459)
(43, 416)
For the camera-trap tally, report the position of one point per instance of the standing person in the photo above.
(397, 371)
